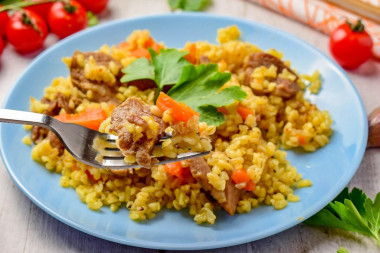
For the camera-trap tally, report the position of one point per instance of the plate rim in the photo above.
(198, 245)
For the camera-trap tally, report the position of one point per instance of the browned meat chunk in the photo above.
(132, 111)
(55, 106)
(228, 198)
(101, 91)
(285, 88)
(39, 133)
(55, 142)
(143, 84)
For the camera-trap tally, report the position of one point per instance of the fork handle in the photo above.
(26, 118)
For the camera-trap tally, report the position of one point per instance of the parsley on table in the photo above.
(352, 212)
(189, 5)
(342, 250)
(198, 87)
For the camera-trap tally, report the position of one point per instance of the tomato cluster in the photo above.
(26, 29)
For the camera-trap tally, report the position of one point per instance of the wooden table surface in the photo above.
(26, 228)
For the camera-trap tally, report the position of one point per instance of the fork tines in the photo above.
(109, 155)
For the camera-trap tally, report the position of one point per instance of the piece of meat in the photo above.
(60, 102)
(284, 88)
(102, 91)
(132, 111)
(38, 134)
(55, 142)
(143, 84)
(228, 198)
(55, 106)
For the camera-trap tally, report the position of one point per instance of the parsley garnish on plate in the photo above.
(164, 69)
(189, 5)
(198, 87)
(352, 212)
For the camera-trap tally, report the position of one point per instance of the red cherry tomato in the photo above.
(94, 6)
(26, 31)
(67, 18)
(351, 45)
(1, 46)
(40, 9)
(3, 22)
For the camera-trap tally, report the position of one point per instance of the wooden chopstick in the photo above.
(361, 8)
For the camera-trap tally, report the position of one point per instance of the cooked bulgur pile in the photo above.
(247, 165)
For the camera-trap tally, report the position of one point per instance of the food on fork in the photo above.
(140, 126)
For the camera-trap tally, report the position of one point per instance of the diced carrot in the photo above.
(244, 111)
(123, 45)
(240, 176)
(75, 167)
(302, 139)
(111, 107)
(91, 177)
(223, 110)
(140, 52)
(180, 111)
(157, 47)
(149, 42)
(90, 118)
(191, 57)
(174, 169)
(250, 186)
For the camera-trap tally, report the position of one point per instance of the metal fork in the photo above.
(79, 141)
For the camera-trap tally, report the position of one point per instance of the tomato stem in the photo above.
(69, 7)
(25, 19)
(19, 5)
(358, 27)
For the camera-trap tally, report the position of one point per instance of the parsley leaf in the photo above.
(168, 66)
(137, 70)
(92, 19)
(373, 212)
(210, 114)
(352, 212)
(189, 5)
(165, 68)
(342, 250)
(199, 88)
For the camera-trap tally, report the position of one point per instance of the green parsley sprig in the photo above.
(189, 5)
(352, 212)
(342, 250)
(198, 87)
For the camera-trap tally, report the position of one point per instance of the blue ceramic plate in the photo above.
(330, 168)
